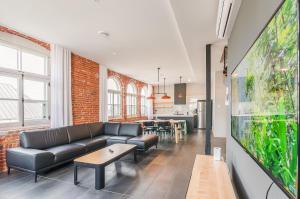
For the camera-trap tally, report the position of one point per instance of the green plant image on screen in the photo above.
(265, 98)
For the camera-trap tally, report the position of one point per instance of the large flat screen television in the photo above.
(265, 99)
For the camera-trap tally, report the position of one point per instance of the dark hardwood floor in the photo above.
(159, 174)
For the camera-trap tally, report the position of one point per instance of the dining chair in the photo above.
(164, 128)
(149, 127)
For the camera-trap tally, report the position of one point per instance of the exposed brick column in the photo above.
(85, 90)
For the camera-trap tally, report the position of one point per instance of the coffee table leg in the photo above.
(100, 177)
(75, 175)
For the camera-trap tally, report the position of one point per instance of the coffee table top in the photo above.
(104, 155)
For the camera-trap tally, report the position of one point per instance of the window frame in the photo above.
(21, 76)
(131, 108)
(113, 104)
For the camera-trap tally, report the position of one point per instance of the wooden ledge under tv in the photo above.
(210, 179)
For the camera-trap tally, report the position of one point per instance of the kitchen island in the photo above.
(188, 118)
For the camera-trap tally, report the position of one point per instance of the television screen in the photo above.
(265, 99)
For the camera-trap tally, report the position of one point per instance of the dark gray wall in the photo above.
(253, 16)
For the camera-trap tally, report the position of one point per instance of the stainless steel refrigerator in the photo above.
(201, 113)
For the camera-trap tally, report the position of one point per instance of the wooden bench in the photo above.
(210, 180)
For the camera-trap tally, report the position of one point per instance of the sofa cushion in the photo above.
(111, 128)
(78, 132)
(118, 139)
(30, 159)
(42, 139)
(144, 142)
(102, 137)
(66, 152)
(91, 144)
(130, 129)
(96, 129)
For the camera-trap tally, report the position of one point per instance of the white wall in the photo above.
(252, 17)
(218, 92)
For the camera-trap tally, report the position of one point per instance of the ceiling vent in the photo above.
(227, 13)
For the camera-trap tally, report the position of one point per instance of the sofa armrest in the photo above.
(29, 159)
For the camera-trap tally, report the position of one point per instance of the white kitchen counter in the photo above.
(171, 115)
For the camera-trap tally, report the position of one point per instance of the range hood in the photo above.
(180, 93)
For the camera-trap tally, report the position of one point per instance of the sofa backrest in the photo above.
(78, 132)
(96, 128)
(130, 129)
(43, 139)
(111, 128)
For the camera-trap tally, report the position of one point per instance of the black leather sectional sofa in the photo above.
(44, 149)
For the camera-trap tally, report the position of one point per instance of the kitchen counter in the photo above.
(190, 119)
(171, 115)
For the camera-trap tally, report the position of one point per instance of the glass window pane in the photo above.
(8, 57)
(9, 111)
(8, 87)
(109, 110)
(35, 110)
(33, 63)
(113, 84)
(144, 91)
(35, 90)
(131, 89)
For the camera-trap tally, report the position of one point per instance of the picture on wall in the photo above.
(265, 99)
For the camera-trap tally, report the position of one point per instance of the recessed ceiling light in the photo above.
(189, 80)
(103, 33)
(114, 53)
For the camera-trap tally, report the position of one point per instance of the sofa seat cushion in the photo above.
(91, 144)
(118, 139)
(144, 142)
(102, 137)
(66, 152)
(30, 159)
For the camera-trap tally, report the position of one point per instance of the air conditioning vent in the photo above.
(227, 13)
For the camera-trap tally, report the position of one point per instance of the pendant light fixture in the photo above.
(165, 96)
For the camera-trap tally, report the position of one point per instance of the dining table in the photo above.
(177, 126)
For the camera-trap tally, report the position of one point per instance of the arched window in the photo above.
(143, 101)
(131, 100)
(114, 98)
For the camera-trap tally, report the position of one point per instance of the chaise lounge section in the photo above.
(44, 149)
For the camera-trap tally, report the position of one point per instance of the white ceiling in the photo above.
(144, 34)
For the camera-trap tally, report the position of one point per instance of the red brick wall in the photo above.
(85, 90)
(125, 80)
(7, 141)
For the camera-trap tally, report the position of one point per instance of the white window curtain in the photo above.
(150, 103)
(103, 94)
(61, 96)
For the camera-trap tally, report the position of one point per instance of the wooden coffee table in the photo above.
(101, 158)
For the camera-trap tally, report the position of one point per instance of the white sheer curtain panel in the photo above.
(61, 96)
